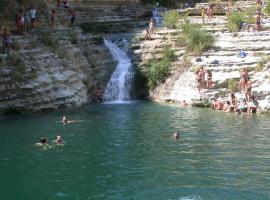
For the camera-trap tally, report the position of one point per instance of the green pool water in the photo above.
(126, 151)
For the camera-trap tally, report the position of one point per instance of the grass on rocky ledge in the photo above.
(195, 39)
(157, 70)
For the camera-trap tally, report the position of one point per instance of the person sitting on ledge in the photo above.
(252, 106)
(243, 106)
(217, 105)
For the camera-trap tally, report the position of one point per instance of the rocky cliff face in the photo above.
(47, 69)
(181, 84)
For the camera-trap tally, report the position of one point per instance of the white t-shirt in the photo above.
(33, 13)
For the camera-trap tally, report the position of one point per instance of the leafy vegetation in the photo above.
(156, 70)
(171, 19)
(14, 60)
(232, 85)
(47, 38)
(235, 21)
(261, 63)
(266, 10)
(237, 18)
(196, 40)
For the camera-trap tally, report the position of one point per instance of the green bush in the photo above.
(168, 53)
(156, 71)
(235, 21)
(196, 39)
(249, 14)
(232, 85)
(47, 38)
(261, 63)
(180, 41)
(171, 19)
(14, 60)
(266, 10)
(74, 38)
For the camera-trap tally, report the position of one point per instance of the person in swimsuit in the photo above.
(203, 14)
(243, 79)
(27, 19)
(252, 106)
(258, 22)
(243, 106)
(53, 19)
(72, 16)
(33, 15)
(151, 27)
(209, 79)
(66, 121)
(20, 21)
(58, 139)
(176, 135)
(5, 41)
(58, 3)
(44, 140)
(184, 104)
(248, 89)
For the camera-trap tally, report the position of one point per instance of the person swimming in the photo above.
(66, 121)
(176, 135)
(58, 140)
(43, 142)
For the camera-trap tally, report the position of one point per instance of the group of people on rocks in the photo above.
(209, 11)
(71, 13)
(149, 32)
(203, 79)
(249, 104)
(232, 105)
(26, 19)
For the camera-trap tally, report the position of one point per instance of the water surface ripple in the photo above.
(126, 151)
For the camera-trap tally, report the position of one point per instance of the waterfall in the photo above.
(120, 85)
(157, 16)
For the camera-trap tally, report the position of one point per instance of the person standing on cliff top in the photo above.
(6, 40)
(27, 19)
(53, 19)
(33, 15)
(58, 3)
(151, 27)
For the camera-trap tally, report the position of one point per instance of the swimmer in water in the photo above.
(176, 135)
(66, 121)
(43, 142)
(58, 139)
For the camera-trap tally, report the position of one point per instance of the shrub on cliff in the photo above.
(235, 21)
(266, 9)
(171, 19)
(156, 71)
(232, 85)
(196, 40)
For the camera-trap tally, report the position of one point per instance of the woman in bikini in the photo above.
(243, 79)
(248, 90)
(209, 79)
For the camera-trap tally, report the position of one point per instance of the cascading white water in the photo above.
(157, 16)
(120, 85)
